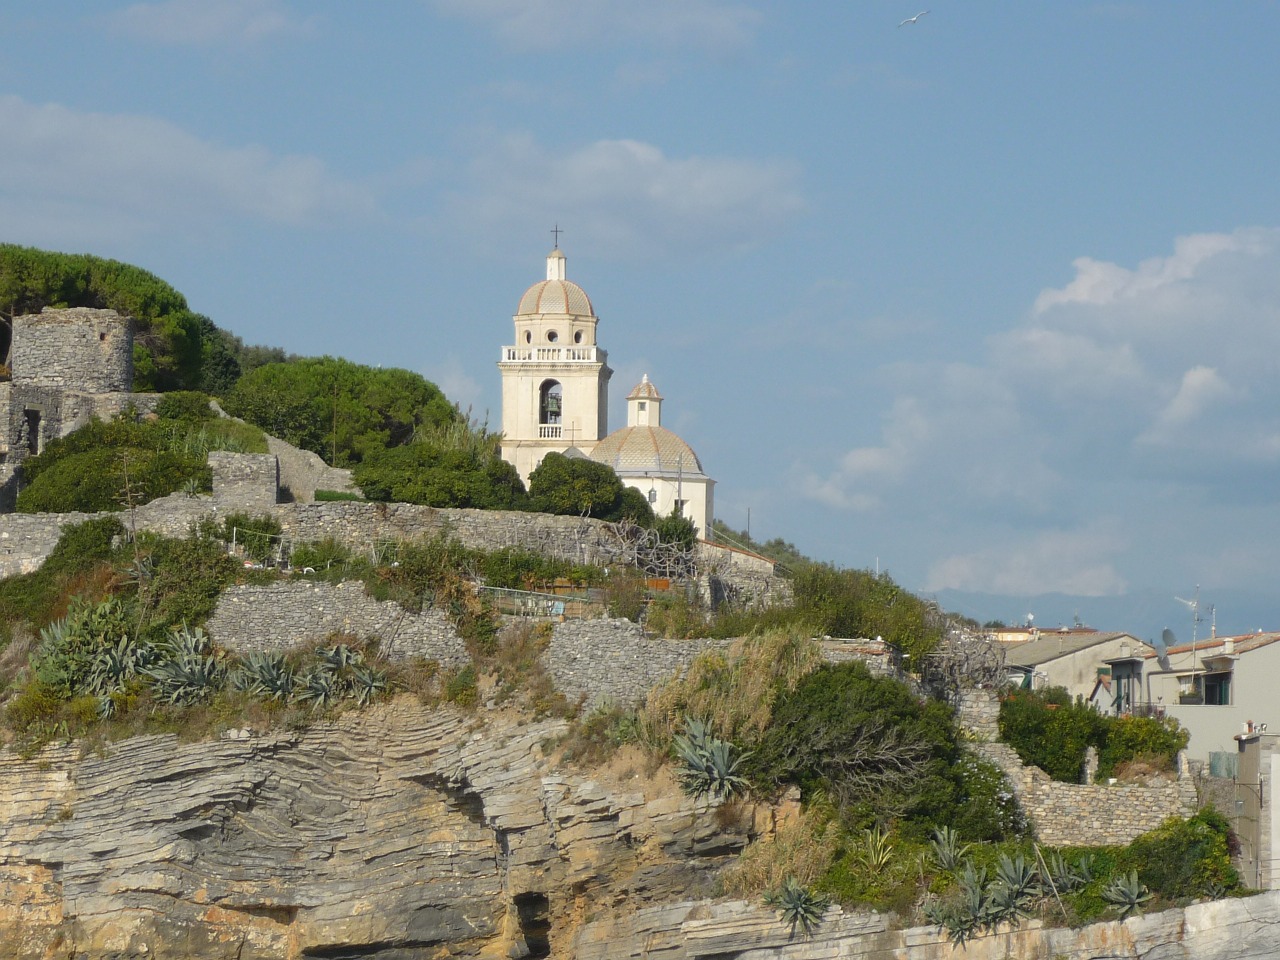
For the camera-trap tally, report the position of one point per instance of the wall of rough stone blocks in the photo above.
(1068, 814)
(1091, 815)
(613, 661)
(89, 351)
(605, 661)
(303, 612)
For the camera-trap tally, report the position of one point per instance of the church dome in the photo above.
(555, 295)
(647, 449)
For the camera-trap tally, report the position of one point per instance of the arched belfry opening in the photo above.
(550, 402)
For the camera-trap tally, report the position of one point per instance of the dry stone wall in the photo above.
(614, 661)
(594, 661)
(80, 349)
(1069, 814)
(286, 615)
(1091, 815)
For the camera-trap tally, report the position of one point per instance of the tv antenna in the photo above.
(1196, 620)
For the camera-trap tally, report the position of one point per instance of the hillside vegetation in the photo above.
(105, 640)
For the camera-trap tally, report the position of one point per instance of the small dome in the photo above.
(644, 390)
(555, 296)
(648, 449)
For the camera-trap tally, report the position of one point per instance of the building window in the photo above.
(577, 336)
(549, 398)
(528, 337)
(552, 336)
(1217, 689)
(641, 406)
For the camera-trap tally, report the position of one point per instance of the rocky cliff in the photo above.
(399, 832)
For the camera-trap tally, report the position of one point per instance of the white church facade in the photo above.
(555, 398)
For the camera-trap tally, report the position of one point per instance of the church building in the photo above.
(555, 398)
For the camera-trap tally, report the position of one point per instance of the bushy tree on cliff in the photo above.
(168, 348)
(575, 486)
(340, 410)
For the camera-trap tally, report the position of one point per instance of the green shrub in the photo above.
(111, 479)
(868, 743)
(1049, 733)
(183, 578)
(1052, 732)
(676, 616)
(189, 406)
(319, 555)
(626, 594)
(1151, 739)
(1183, 859)
(331, 496)
(462, 687)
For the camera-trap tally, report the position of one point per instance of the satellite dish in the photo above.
(1167, 640)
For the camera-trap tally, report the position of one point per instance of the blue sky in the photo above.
(991, 299)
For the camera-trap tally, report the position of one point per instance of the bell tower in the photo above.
(555, 379)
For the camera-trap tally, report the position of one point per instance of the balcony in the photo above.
(549, 431)
(553, 355)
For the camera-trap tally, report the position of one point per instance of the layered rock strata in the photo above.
(397, 833)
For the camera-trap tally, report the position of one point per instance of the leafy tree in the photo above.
(868, 743)
(340, 410)
(424, 473)
(104, 465)
(677, 529)
(169, 338)
(575, 486)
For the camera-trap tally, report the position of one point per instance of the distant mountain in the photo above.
(1141, 613)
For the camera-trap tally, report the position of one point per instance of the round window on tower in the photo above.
(528, 337)
(577, 336)
(552, 336)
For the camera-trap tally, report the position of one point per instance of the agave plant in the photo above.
(1066, 876)
(1127, 892)
(318, 687)
(188, 670)
(947, 850)
(339, 657)
(877, 850)
(366, 684)
(798, 906)
(266, 675)
(709, 765)
(1014, 890)
(116, 664)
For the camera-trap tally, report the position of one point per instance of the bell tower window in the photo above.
(550, 397)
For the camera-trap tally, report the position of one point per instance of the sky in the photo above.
(989, 301)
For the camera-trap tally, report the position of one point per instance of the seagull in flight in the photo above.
(913, 19)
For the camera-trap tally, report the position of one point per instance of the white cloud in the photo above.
(1100, 284)
(624, 197)
(207, 22)
(99, 175)
(1200, 390)
(562, 24)
(1149, 393)
(1054, 561)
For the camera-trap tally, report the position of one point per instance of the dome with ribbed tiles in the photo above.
(648, 450)
(555, 295)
